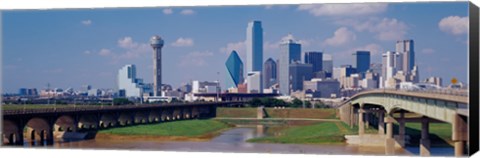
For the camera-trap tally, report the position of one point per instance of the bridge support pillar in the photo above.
(459, 134)
(351, 115)
(49, 138)
(389, 140)
(401, 129)
(425, 141)
(19, 137)
(367, 120)
(361, 123)
(381, 124)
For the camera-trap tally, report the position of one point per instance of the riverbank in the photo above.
(319, 133)
(191, 130)
(277, 113)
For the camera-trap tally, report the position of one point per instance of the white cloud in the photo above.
(183, 42)
(386, 29)
(454, 25)
(340, 37)
(167, 11)
(428, 51)
(374, 49)
(87, 22)
(105, 52)
(347, 56)
(239, 47)
(132, 49)
(87, 52)
(303, 42)
(344, 9)
(187, 12)
(195, 58)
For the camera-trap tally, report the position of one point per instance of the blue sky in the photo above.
(71, 48)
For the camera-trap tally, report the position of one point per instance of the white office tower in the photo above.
(127, 81)
(157, 43)
(254, 82)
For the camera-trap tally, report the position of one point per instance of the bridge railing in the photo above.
(454, 92)
(106, 107)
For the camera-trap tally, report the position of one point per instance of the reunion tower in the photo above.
(157, 43)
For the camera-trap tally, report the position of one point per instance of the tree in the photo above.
(296, 103)
(121, 101)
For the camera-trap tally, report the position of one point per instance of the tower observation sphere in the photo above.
(157, 43)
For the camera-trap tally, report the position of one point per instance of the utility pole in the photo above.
(218, 86)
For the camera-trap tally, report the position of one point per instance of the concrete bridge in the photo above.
(42, 126)
(386, 106)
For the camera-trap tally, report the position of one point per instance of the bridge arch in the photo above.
(125, 118)
(154, 116)
(11, 132)
(38, 130)
(108, 120)
(88, 121)
(65, 123)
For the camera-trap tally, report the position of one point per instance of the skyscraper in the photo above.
(269, 73)
(127, 81)
(254, 46)
(254, 49)
(157, 43)
(327, 64)
(234, 67)
(362, 61)
(406, 49)
(299, 72)
(289, 52)
(314, 58)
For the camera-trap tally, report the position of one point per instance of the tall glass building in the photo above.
(299, 72)
(254, 46)
(362, 61)
(314, 58)
(269, 73)
(128, 82)
(254, 49)
(234, 67)
(289, 52)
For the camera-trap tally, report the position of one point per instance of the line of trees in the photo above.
(273, 102)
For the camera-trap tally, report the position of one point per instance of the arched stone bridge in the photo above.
(42, 126)
(386, 106)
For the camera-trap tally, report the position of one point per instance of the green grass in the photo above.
(321, 133)
(237, 112)
(189, 128)
(277, 113)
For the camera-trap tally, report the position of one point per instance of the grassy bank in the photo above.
(184, 128)
(320, 133)
(277, 113)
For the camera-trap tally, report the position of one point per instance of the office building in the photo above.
(254, 49)
(362, 61)
(299, 72)
(254, 82)
(314, 58)
(434, 80)
(406, 49)
(204, 87)
(322, 88)
(157, 43)
(269, 73)
(327, 64)
(127, 80)
(234, 66)
(289, 52)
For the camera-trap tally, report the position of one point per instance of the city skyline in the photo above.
(106, 45)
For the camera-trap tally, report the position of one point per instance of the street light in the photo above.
(218, 86)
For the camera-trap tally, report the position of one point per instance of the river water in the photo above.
(234, 140)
